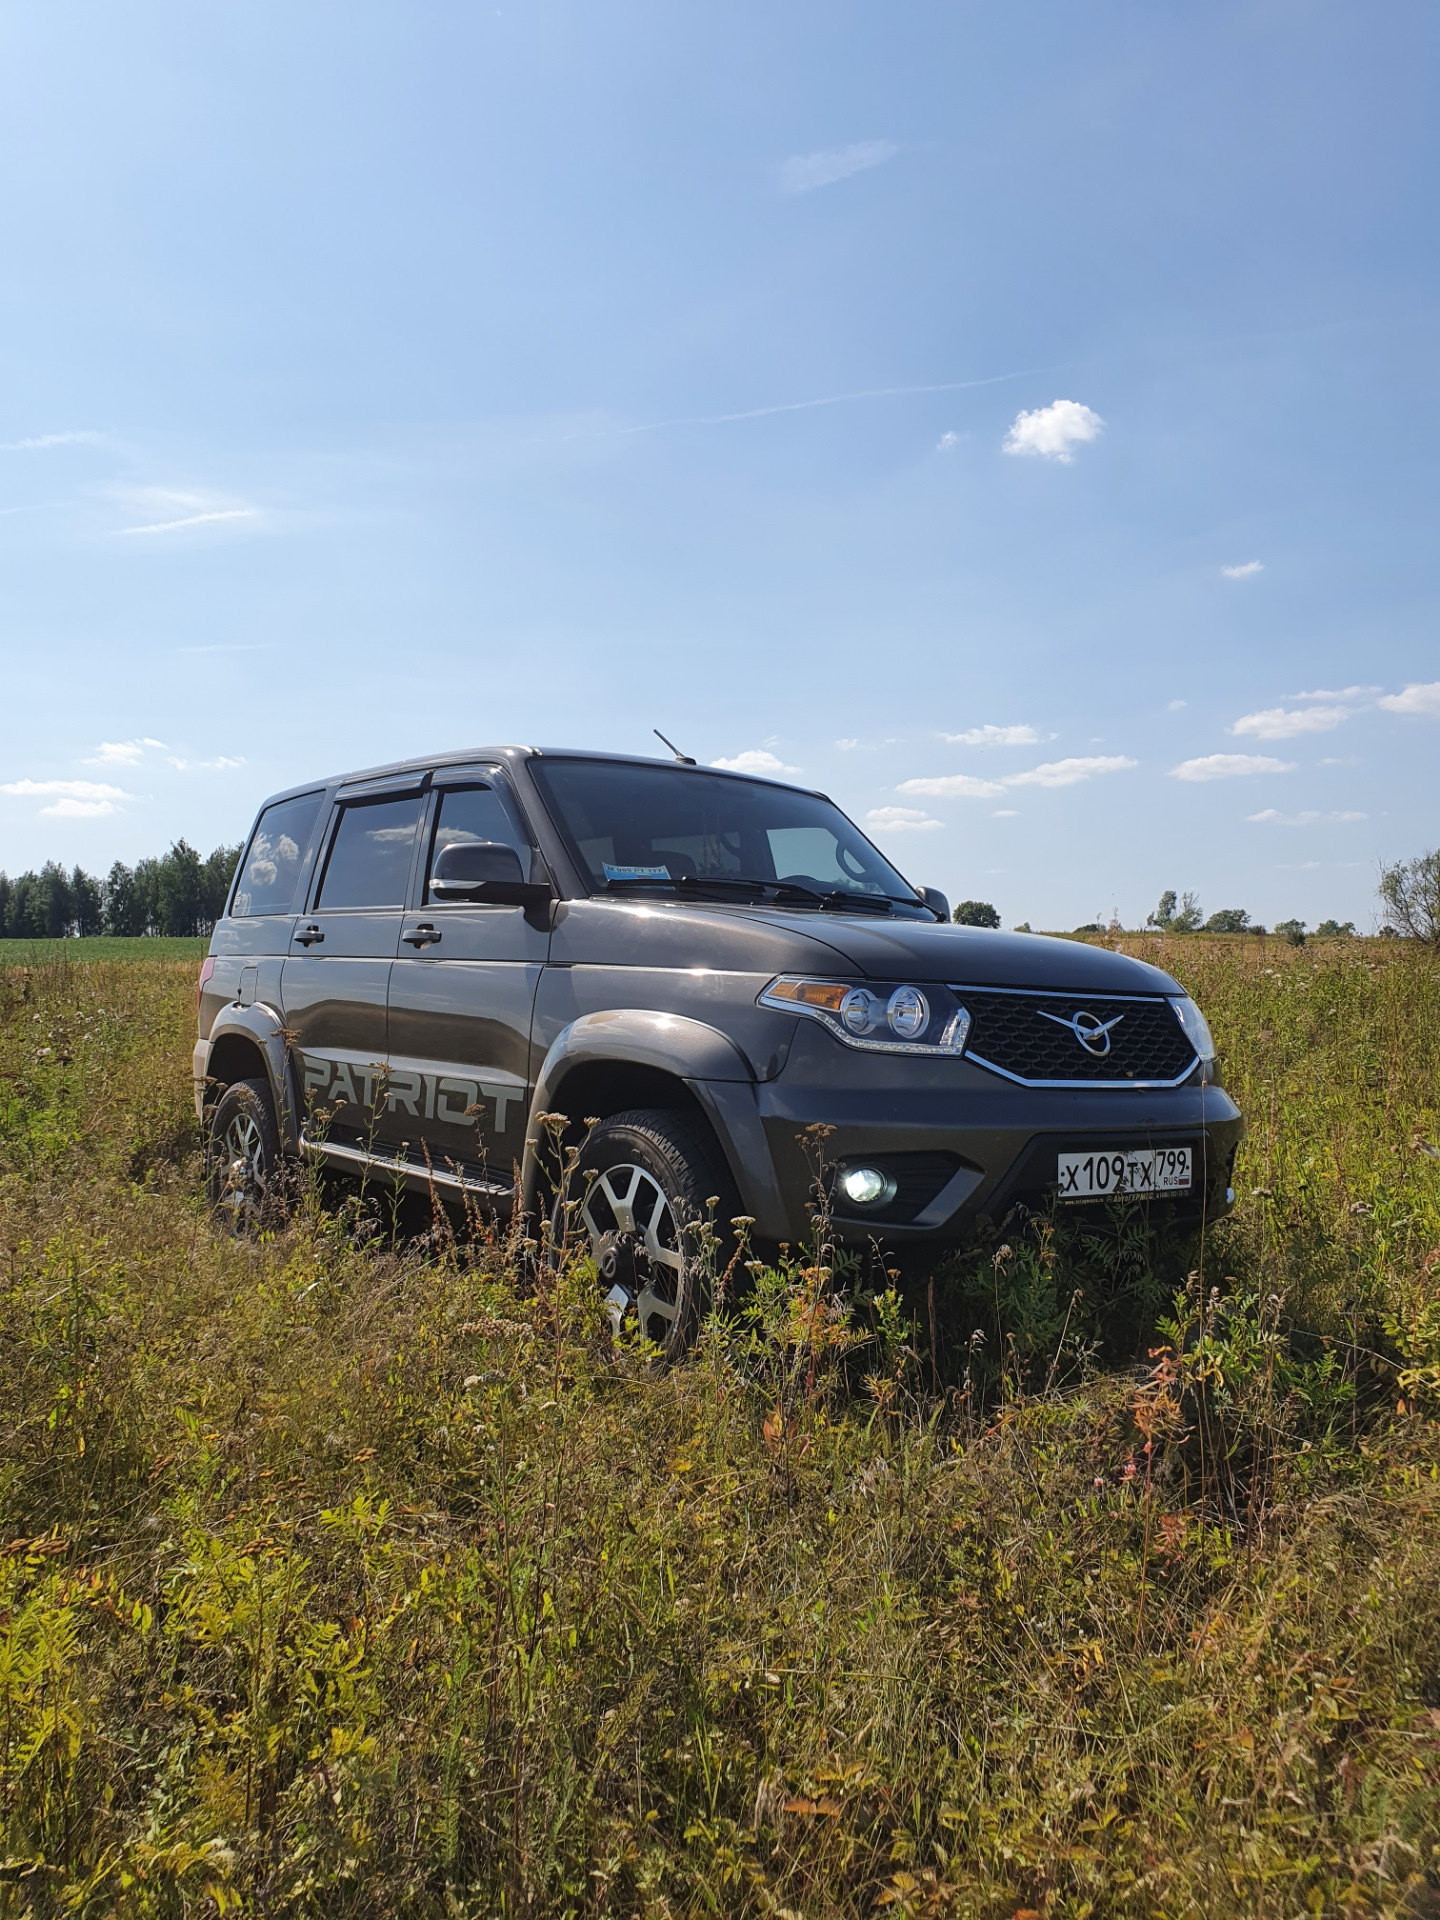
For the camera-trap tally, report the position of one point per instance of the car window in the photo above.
(815, 857)
(656, 825)
(271, 865)
(477, 813)
(369, 862)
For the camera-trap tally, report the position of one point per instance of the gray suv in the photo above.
(718, 982)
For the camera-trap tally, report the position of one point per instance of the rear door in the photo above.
(462, 996)
(337, 971)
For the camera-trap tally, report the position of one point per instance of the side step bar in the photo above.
(495, 1192)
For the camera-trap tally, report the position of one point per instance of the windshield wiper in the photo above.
(782, 892)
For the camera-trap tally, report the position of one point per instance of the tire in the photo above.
(242, 1156)
(637, 1193)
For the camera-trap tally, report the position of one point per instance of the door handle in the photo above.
(309, 937)
(422, 936)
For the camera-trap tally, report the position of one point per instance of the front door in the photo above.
(462, 995)
(334, 983)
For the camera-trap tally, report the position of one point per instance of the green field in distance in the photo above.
(36, 953)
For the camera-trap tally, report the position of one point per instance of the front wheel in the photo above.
(641, 1193)
(243, 1156)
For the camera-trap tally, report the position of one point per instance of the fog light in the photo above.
(866, 1186)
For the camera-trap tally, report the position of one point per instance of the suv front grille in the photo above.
(1030, 1036)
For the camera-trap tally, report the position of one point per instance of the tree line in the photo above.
(176, 893)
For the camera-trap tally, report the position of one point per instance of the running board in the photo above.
(333, 1153)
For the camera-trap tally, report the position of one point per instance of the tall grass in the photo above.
(343, 1573)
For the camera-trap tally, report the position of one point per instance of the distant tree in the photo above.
(55, 908)
(1335, 930)
(215, 877)
(1164, 915)
(124, 915)
(1090, 926)
(87, 903)
(1190, 916)
(179, 892)
(22, 921)
(5, 891)
(975, 913)
(1293, 931)
(1228, 920)
(1024, 927)
(146, 881)
(1410, 892)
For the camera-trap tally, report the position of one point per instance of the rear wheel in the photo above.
(243, 1155)
(640, 1195)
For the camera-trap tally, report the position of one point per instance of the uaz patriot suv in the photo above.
(424, 964)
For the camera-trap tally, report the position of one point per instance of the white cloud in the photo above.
(803, 172)
(1176, 705)
(1284, 723)
(122, 753)
(947, 443)
(196, 520)
(1054, 773)
(1336, 693)
(1274, 818)
(1246, 571)
(954, 786)
(1421, 696)
(1006, 813)
(67, 809)
(69, 799)
(1052, 431)
(1069, 773)
(43, 440)
(755, 760)
(989, 736)
(1229, 766)
(219, 763)
(847, 746)
(74, 789)
(900, 820)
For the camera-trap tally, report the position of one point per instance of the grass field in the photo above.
(340, 1574)
(47, 953)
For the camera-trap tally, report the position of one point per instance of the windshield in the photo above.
(677, 829)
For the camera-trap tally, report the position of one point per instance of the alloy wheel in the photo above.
(636, 1242)
(241, 1153)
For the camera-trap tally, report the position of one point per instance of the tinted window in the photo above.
(369, 862)
(477, 813)
(647, 825)
(272, 860)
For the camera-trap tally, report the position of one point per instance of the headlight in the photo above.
(882, 1016)
(1197, 1028)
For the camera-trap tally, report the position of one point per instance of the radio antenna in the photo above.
(683, 758)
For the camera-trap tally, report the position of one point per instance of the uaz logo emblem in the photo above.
(1092, 1032)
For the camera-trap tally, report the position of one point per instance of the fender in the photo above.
(264, 1027)
(691, 1051)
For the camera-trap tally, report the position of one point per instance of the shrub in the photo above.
(975, 913)
(1410, 892)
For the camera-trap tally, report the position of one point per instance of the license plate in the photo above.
(1128, 1171)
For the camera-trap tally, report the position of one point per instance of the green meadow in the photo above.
(352, 1570)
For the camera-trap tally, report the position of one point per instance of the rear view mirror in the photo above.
(483, 870)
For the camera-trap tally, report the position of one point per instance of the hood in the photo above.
(967, 956)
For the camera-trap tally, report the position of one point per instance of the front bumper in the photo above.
(962, 1142)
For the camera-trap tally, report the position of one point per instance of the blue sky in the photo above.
(1021, 421)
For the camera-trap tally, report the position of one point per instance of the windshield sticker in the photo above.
(635, 873)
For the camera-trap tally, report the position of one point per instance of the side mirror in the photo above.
(936, 901)
(485, 871)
